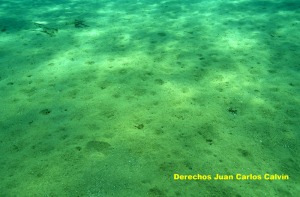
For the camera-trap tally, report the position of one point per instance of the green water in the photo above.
(121, 98)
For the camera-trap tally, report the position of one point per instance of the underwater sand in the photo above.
(112, 98)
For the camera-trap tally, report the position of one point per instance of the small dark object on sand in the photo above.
(45, 111)
(140, 126)
(232, 110)
(79, 24)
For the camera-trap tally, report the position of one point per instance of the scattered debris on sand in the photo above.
(79, 23)
(45, 29)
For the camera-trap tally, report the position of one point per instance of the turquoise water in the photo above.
(134, 98)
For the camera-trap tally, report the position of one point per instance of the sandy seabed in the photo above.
(112, 98)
